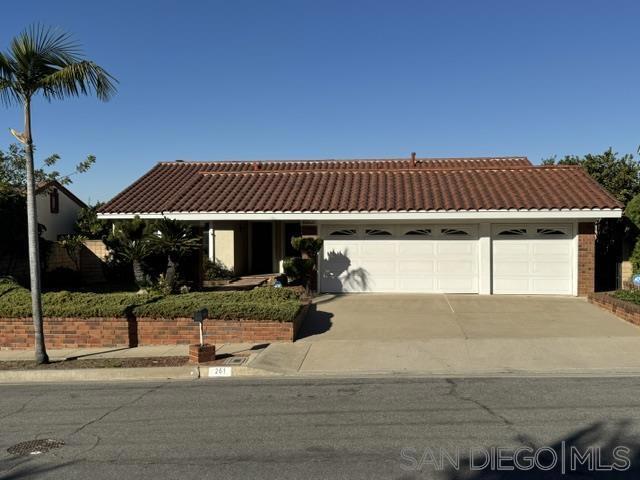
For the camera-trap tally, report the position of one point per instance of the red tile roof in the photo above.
(360, 186)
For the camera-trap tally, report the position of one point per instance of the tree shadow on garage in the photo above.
(337, 277)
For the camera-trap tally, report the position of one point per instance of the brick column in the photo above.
(586, 258)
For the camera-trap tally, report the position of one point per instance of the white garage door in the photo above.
(399, 258)
(533, 259)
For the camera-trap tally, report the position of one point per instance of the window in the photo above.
(513, 232)
(54, 201)
(424, 232)
(454, 232)
(551, 231)
(345, 232)
(375, 232)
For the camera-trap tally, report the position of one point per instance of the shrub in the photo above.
(632, 210)
(265, 303)
(635, 258)
(628, 295)
(308, 246)
(217, 270)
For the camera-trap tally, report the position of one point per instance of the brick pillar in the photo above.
(586, 258)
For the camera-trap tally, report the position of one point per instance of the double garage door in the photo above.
(445, 258)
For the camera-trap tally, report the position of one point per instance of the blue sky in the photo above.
(306, 79)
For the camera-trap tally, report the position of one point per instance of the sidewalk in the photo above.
(121, 352)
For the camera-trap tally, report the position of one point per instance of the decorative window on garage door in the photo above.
(455, 232)
(343, 232)
(376, 232)
(552, 231)
(418, 232)
(512, 232)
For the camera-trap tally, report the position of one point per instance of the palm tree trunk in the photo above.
(138, 273)
(33, 239)
(170, 277)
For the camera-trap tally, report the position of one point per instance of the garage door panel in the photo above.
(549, 268)
(551, 247)
(511, 267)
(456, 267)
(409, 248)
(551, 285)
(423, 267)
(511, 285)
(510, 249)
(424, 284)
(462, 284)
(453, 247)
(378, 249)
(533, 263)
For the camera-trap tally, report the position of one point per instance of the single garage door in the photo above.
(399, 258)
(533, 259)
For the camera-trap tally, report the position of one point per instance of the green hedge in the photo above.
(628, 295)
(258, 304)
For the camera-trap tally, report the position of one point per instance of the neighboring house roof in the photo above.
(458, 184)
(46, 186)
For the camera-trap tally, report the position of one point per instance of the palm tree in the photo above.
(174, 239)
(44, 61)
(133, 245)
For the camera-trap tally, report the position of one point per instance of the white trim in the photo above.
(384, 216)
(575, 270)
(484, 261)
(211, 243)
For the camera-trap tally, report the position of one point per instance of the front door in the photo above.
(261, 247)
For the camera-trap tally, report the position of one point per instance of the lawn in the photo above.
(259, 304)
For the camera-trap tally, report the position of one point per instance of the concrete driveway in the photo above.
(388, 317)
(456, 335)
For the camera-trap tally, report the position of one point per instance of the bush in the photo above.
(309, 246)
(628, 295)
(265, 303)
(635, 258)
(216, 270)
(295, 267)
(632, 210)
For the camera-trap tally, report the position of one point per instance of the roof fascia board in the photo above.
(373, 216)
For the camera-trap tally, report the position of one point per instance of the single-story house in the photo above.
(58, 209)
(453, 225)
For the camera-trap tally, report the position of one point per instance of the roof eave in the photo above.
(498, 214)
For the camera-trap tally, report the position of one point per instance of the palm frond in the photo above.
(77, 79)
(48, 60)
(8, 93)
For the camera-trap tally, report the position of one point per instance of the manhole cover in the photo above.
(35, 447)
(235, 360)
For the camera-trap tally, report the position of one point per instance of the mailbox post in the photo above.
(202, 352)
(199, 317)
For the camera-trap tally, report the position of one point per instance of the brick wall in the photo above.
(626, 310)
(586, 258)
(90, 260)
(17, 333)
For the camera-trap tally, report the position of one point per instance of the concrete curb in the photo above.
(99, 374)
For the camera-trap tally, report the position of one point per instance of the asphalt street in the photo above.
(366, 428)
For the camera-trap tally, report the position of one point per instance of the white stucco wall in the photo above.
(60, 223)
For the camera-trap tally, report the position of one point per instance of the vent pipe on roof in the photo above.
(413, 158)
